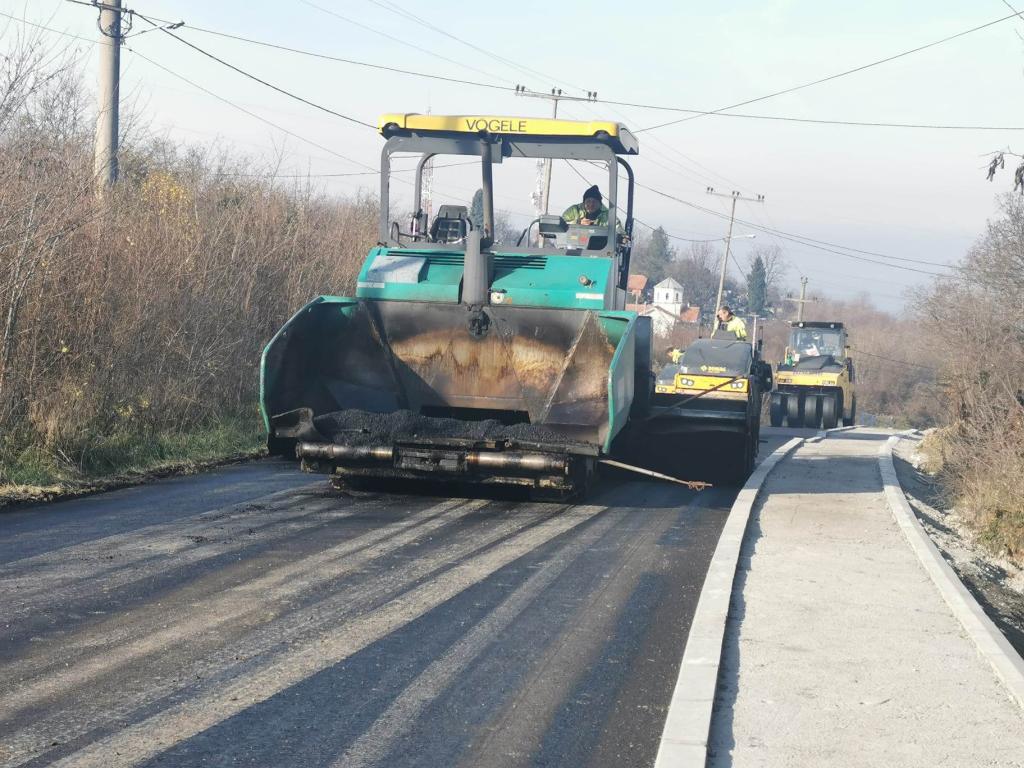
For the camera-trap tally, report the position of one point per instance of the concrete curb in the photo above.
(684, 740)
(990, 642)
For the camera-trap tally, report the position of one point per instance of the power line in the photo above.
(610, 102)
(677, 237)
(336, 175)
(409, 15)
(244, 110)
(44, 27)
(396, 39)
(251, 76)
(782, 233)
(840, 74)
(342, 60)
(795, 239)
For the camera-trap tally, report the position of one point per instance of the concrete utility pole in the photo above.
(802, 300)
(555, 96)
(109, 94)
(734, 196)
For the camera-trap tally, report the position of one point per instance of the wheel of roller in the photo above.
(849, 422)
(777, 409)
(831, 410)
(812, 411)
(794, 411)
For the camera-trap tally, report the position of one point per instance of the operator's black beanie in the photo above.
(593, 192)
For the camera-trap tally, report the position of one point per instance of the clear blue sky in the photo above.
(913, 193)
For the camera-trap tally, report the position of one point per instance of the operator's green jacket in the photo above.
(736, 325)
(575, 213)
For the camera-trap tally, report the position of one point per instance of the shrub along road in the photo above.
(254, 616)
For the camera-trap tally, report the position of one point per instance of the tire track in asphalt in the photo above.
(123, 559)
(394, 722)
(135, 640)
(268, 635)
(142, 740)
(513, 736)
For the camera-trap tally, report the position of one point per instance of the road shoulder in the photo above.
(839, 649)
(990, 642)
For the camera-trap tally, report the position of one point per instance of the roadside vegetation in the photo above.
(974, 324)
(130, 328)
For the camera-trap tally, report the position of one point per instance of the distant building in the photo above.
(668, 295)
(663, 319)
(637, 287)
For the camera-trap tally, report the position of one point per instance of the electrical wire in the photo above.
(398, 40)
(336, 175)
(809, 242)
(794, 238)
(259, 80)
(409, 15)
(244, 110)
(838, 75)
(342, 60)
(799, 239)
(611, 102)
(46, 28)
(677, 237)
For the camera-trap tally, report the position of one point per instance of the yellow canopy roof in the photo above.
(512, 126)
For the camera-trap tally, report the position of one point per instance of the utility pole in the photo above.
(544, 183)
(734, 196)
(802, 300)
(109, 94)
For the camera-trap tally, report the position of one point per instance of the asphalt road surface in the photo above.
(253, 616)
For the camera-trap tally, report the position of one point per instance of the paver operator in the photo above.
(590, 212)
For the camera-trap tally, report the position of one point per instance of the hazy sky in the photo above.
(912, 193)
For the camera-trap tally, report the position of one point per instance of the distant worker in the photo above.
(727, 321)
(675, 354)
(591, 212)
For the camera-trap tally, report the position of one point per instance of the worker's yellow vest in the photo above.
(738, 327)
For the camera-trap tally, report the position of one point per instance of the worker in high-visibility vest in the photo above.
(675, 354)
(590, 212)
(727, 321)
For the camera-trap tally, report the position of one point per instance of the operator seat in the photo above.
(451, 224)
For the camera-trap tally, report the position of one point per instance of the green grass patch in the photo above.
(27, 469)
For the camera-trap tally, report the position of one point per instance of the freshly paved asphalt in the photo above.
(253, 616)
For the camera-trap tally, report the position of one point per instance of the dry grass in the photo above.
(138, 320)
(975, 325)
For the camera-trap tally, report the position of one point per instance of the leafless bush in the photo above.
(975, 324)
(147, 310)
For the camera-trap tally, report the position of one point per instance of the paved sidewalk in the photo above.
(839, 650)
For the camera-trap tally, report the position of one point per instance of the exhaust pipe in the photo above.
(476, 274)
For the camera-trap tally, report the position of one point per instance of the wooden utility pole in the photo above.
(109, 94)
(734, 196)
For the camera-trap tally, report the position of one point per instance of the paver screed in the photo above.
(839, 650)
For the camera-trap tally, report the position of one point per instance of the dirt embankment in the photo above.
(995, 581)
